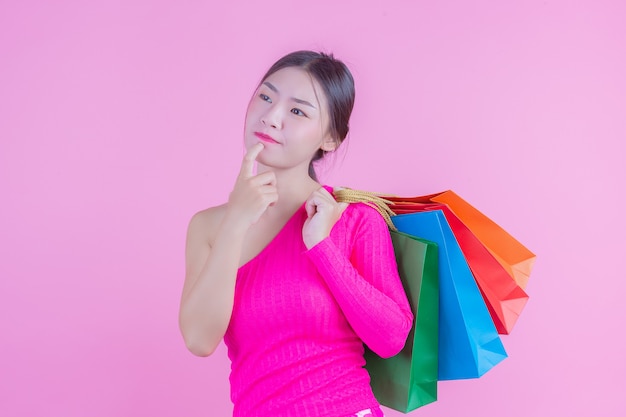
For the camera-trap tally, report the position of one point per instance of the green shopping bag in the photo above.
(409, 380)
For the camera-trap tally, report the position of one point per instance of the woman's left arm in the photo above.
(367, 285)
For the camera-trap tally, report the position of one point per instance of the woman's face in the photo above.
(289, 118)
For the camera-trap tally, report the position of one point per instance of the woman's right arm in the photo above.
(211, 269)
(207, 299)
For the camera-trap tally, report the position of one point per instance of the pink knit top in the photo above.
(301, 317)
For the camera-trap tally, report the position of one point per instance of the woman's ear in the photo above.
(329, 144)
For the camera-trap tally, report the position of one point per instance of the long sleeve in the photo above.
(365, 283)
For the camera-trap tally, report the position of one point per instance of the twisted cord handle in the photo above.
(381, 205)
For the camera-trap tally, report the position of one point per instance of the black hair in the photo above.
(335, 79)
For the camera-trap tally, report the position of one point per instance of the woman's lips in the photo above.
(265, 138)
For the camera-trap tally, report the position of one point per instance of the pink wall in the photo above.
(119, 120)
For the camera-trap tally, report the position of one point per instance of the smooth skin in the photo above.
(290, 108)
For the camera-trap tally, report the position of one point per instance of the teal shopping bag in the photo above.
(469, 344)
(408, 380)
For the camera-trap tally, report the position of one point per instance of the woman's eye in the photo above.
(265, 97)
(298, 112)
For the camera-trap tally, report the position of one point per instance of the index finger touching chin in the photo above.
(247, 165)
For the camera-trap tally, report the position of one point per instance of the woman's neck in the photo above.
(294, 186)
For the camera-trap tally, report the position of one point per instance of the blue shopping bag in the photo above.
(469, 344)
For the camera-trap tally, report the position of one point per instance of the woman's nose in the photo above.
(272, 118)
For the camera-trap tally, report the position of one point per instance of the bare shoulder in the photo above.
(204, 224)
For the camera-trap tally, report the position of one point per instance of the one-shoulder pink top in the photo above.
(301, 316)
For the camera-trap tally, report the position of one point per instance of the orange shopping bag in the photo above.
(502, 295)
(511, 254)
(499, 263)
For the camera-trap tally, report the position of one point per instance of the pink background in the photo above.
(119, 120)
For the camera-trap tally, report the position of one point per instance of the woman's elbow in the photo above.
(201, 337)
(198, 341)
(391, 348)
(395, 341)
(199, 348)
(199, 344)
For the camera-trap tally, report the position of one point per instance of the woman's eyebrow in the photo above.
(297, 100)
(270, 86)
(306, 103)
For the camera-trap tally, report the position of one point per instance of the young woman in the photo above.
(293, 281)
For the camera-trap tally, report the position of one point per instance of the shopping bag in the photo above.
(469, 344)
(504, 297)
(510, 253)
(408, 380)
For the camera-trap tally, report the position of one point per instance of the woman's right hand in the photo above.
(252, 194)
(215, 241)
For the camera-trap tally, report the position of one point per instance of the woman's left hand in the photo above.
(322, 212)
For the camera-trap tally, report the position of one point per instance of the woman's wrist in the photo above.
(232, 225)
